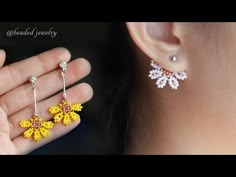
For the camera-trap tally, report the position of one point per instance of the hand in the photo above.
(16, 97)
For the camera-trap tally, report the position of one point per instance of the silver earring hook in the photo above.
(33, 79)
(63, 66)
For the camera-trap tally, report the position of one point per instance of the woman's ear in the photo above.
(159, 41)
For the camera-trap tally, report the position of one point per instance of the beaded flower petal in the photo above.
(36, 128)
(65, 112)
(163, 76)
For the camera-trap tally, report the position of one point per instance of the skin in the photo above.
(14, 85)
(199, 117)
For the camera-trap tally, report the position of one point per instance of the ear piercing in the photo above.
(173, 58)
(36, 127)
(65, 111)
(163, 76)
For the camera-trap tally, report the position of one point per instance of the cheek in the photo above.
(213, 62)
(203, 63)
(211, 67)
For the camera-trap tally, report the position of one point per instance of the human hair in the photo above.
(119, 98)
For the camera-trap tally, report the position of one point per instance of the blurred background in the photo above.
(100, 43)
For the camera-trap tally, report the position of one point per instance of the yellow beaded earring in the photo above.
(36, 127)
(65, 111)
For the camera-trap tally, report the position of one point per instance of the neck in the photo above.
(166, 121)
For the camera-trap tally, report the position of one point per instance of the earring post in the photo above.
(64, 83)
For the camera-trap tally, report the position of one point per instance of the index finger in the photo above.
(2, 57)
(18, 73)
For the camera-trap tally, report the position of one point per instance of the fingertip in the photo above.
(2, 57)
(82, 92)
(86, 64)
(86, 91)
(82, 66)
(63, 54)
(60, 129)
(2, 53)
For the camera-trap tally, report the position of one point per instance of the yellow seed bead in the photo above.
(66, 119)
(67, 102)
(25, 124)
(44, 132)
(58, 117)
(28, 133)
(37, 135)
(77, 107)
(74, 116)
(54, 109)
(48, 124)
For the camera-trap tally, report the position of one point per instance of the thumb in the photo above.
(2, 57)
(6, 145)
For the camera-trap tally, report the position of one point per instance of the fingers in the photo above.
(2, 57)
(18, 73)
(24, 146)
(4, 126)
(80, 93)
(6, 145)
(46, 85)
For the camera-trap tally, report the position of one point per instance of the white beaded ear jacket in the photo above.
(163, 76)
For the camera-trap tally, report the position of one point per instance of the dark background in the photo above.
(100, 43)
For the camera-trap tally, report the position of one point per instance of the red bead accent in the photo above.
(36, 123)
(66, 108)
(166, 72)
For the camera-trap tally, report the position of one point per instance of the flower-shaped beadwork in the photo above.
(65, 112)
(164, 76)
(36, 128)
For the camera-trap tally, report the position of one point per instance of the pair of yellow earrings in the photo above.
(65, 112)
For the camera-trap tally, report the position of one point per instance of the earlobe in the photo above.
(159, 42)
